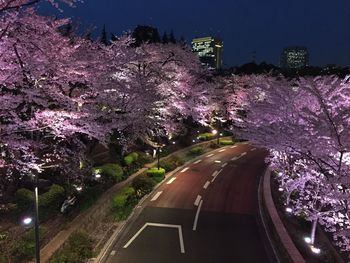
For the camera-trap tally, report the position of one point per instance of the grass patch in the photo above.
(156, 174)
(171, 163)
(226, 142)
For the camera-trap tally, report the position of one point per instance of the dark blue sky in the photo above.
(263, 26)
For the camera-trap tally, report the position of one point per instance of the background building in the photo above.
(294, 58)
(209, 50)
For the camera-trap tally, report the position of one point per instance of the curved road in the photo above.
(204, 213)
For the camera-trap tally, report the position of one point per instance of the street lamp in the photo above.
(215, 132)
(36, 221)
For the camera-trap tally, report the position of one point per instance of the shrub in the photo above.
(111, 170)
(171, 163)
(124, 202)
(131, 158)
(77, 249)
(226, 142)
(206, 136)
(25, 248)
(196, 150)
(143, 158)
(53, 197)
(142, 185)
(24, 199)
(156, 174)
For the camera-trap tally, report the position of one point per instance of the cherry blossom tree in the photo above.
(304, 123)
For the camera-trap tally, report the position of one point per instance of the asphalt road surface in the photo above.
(204, 213)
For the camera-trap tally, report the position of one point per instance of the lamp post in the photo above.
(36, 221)
(215, 132)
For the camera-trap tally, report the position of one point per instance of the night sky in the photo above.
(245, 26)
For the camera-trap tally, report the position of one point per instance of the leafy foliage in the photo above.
(111, 170)
(196, 150)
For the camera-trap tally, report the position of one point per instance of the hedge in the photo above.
(196, 150)
(205, 136)
(77, 249)
(171, 163)
(143, 185)
(226, 142)
(156, 174)
(111, 170)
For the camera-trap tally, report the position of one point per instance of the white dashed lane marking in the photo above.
(206, 185)
(155, 197)
(222, 150)
(198, 199)
(198, 161)
(171, 180)
(185, 169)
(210, 155)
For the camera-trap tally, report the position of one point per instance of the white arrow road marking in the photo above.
(196, 203)
(197, 215)
(171, 180)
(210, 155)
(155, 197)
(182, 246)
(198, 161)
(206, 185)
(185, 169)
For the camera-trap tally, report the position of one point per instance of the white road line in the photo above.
(212, 180)
(234, 146)
(234, 158)
(196, 203)
(214, 173)
(171, 180)
(217, 161)
(197, 215)
(242, 154)
(253, 149)
(112, 252)
(182, 246)
(206, 185)
(184, 170)
(222, 150)
(222, 166)
(155, 197)
(210, 155)
(198, 161)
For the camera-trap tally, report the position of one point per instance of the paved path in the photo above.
(204, 213)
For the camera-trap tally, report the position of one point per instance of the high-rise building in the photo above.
(294, 58)
(209, 50)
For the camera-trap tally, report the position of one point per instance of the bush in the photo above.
(156, 174)
(143, 158)
(171, 163)
(124, 202)
(206, 136)
(226, 142)
(111, 170)
(142, 185)
(77, 249)
(53, 197)
(131, 158)
(24, 199)
(48, 201)
(196, 150)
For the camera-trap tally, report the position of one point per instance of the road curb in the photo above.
(273, 224)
